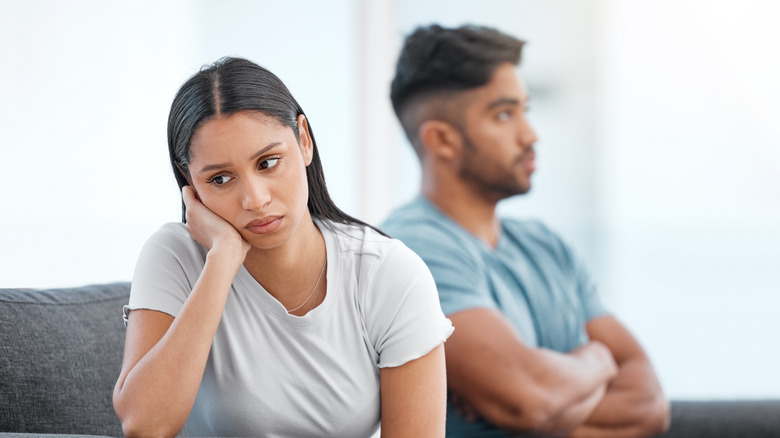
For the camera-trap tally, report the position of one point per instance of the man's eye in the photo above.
(504, 115)
(269, 163)
(219, 180)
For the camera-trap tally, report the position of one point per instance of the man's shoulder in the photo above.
(538, 239)
(530, 229)
(419, 223)
(435, 237)
(418, 209)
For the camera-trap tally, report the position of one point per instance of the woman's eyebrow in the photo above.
(211, 167)
(264, 150)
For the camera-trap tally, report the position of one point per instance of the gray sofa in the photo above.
(60, 355)
(61, 352)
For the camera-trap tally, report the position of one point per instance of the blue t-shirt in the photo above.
(531, 277)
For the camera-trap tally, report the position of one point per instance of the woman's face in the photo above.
(250, 170)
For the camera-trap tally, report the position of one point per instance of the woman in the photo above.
(269, 311)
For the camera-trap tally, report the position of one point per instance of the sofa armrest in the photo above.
(60, 355)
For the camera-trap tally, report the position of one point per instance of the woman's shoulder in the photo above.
(358, 238)
(376, 255)
(172, 241)
(171, 230)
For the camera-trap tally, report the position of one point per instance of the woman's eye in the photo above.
(219, 180)
(269, 163)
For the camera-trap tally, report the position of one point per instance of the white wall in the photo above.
(84, 98)
(657, 153)
(690, 147)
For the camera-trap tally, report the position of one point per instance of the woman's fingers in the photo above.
(203, 224)
(207, 227)
(189, 196)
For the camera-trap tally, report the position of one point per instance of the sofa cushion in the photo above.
(60, 355)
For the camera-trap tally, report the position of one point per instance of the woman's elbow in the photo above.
(138, 424)
(131, 428)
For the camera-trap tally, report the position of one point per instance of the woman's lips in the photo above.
(265, 225)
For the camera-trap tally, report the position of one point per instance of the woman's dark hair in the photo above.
(226, 87)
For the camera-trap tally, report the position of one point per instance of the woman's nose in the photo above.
(255, 196)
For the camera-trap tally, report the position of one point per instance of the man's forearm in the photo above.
(564, 389)
(515, 386)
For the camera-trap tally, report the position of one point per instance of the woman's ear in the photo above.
(440, 139)
(305, 143)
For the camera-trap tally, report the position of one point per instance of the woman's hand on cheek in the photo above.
(208, 229)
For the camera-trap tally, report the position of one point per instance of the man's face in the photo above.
(498, 154)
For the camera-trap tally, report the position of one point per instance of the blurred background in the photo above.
(658, 155)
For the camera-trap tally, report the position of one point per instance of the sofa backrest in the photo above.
(60, 355)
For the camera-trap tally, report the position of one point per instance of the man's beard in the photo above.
(492, 180)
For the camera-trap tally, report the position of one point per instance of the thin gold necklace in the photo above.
(322, 272)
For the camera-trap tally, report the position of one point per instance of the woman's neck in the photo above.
(290, 271)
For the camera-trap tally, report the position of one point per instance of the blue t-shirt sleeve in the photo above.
(591, 301)
(586, 286)
(459, 273)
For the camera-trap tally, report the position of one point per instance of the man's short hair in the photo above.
(438, 62)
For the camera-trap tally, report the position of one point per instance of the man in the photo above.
(533, 347)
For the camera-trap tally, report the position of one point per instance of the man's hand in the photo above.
(601, 354)
(634, 405)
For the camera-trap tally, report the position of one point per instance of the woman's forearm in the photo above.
(158, 391)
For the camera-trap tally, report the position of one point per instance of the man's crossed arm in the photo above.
(606, 386)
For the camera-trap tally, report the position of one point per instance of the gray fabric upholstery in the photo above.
(46, 435)
(60, 355)
(725, 419)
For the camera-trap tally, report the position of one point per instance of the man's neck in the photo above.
(474, 213)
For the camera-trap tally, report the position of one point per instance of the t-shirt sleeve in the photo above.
(168, 267)
(459, 272)
(404, 318)
(586, 286)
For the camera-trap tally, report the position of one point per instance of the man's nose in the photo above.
(526, 134)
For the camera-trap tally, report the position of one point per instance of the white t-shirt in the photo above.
(270, 373)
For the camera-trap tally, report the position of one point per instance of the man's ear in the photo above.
(305, 142)
(440, 139)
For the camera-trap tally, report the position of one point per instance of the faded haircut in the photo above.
(436, 64)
